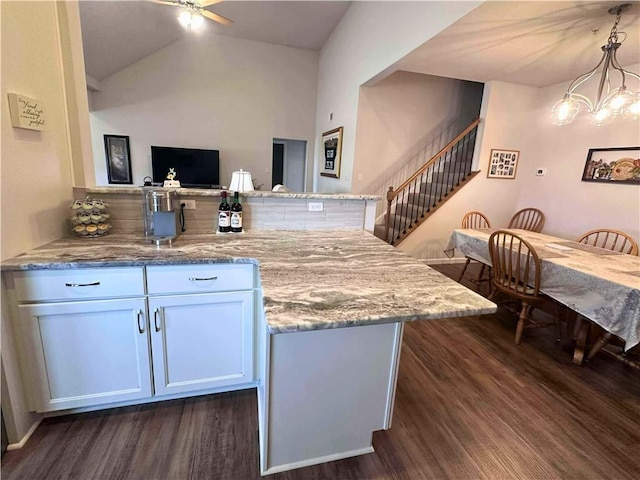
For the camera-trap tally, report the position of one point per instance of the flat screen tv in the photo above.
(194, 167)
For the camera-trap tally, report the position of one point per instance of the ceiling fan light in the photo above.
(197, 21)
(564, 111)
(185, 18)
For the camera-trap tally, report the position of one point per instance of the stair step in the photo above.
(421, 199)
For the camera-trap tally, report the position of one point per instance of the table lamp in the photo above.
(241, 182)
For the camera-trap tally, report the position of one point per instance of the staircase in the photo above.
(428, 188)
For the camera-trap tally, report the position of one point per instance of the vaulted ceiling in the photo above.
(528, 42)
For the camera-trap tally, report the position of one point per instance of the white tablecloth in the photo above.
(601, 285)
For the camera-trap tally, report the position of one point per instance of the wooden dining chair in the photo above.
(516, 273)
(608, 239)
(475, 220)
(530, 219)
(616, 241)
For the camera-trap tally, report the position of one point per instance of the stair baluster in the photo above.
(422, 193)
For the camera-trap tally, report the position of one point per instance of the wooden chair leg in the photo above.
(602, 341)
(524, 314)
(577, 326)
(581, 341)
(556, 311)
(464, 269)
(479, 279)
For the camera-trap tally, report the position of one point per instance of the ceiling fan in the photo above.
(194, 11)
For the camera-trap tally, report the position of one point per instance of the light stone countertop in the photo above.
(311, 280)
(209, 192)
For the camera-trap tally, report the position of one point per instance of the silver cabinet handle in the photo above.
(140, 326)
(94, 284)
(155, 319)
(196, 279)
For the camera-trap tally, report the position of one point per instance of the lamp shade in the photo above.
(241, 182)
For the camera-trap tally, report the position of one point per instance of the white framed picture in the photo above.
(503, 164)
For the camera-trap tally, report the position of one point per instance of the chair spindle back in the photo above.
(613, 240)
(530, 219)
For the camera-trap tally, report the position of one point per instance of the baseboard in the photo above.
(316, 461)
(23, 441)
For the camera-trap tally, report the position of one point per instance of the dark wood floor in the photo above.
(470, 404)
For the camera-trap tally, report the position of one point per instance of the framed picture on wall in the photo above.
(116, 149)
(332, 148)
(612, 165)
(503, 164)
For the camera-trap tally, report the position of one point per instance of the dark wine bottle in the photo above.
(236, 214)
(224, 215)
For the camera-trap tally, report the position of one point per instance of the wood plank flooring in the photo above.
(470, 405)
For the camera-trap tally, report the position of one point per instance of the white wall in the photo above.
(572, 206)
(36, 179)
(517, 117)
(209, 91)
(403, 121)
(368, 40)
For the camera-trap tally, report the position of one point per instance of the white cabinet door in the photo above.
(201, 341)
(87, 353)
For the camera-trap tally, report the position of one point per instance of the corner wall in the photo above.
(403, 121)
(36, 179)
(369, 39)
(516, 117)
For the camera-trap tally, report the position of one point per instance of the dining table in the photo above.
(599, 284)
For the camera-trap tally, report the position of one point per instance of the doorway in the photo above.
(289, 164)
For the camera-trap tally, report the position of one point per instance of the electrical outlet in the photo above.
(360, 177)
(541, 171)
(189, 204)
(316, 206)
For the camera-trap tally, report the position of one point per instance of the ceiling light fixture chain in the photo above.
(610, 102)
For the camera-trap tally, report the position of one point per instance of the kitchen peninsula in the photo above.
(326, 331)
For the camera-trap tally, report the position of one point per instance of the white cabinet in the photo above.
(100, 336)
(201, 341)
(86, 353)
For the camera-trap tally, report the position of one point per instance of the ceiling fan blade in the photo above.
(215, 17)
(208, 3)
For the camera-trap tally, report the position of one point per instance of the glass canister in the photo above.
(161, 214)
(90, 218)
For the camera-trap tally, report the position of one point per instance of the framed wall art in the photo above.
(332, 148)
(503, 164)
(612, 165)
(116, 148)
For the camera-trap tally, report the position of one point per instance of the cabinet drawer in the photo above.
(89, 283)
(216, 277)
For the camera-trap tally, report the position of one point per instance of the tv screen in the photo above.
(194, 167)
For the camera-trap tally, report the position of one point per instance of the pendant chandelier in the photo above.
(613, 100)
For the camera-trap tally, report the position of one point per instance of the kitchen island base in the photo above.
(325, 392)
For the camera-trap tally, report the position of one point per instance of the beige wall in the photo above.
(369, 40)
(36, 166)
(517, 117)
(212, 92)
(403, 121)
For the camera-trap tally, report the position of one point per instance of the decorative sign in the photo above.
(26, 112)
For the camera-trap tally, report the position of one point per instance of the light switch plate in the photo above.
(316, 206)
(541, 171)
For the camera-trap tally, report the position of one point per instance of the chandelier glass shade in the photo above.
(613, 99)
